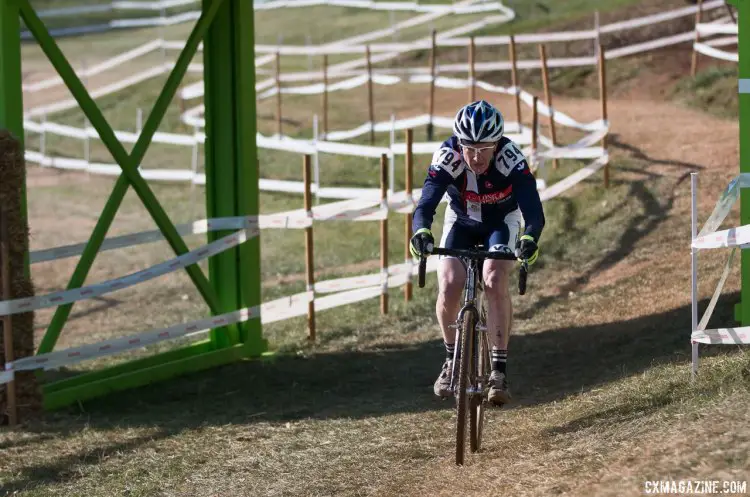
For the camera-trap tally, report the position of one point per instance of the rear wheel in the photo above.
(465, 370)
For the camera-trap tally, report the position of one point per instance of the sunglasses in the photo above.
(477, 150)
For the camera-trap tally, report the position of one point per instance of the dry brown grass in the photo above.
(599, 363)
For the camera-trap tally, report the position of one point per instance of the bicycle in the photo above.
(472, 345)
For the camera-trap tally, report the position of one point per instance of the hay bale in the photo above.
(12, 183)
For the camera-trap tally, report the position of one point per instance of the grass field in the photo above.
(599, 360)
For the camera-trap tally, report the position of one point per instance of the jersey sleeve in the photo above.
(524, 188)
(445, 168)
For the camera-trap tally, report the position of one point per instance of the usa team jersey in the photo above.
(481, 201)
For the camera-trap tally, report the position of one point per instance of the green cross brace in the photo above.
(128, 163)
(742, 310)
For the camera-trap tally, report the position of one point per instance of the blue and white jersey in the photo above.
(481, 201)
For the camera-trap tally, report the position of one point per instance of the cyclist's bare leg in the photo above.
(499, 306)
(499, 312)
(451, 279)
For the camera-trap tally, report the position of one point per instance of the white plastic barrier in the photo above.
(709, 238)
(582, 149)
(9, 307)
(389, 6)
(723, 26)
(351, 210)
(109, 89)
(344, 69)
(391, 50)
(167, 20)
(350, 289)
(346, 292)
(347, 46)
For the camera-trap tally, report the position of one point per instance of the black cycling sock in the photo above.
(499, 360)
(449, 349)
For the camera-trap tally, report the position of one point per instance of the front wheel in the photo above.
(467, 354)
(477, 403)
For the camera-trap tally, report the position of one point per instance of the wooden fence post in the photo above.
(603, 98)
(548, 98)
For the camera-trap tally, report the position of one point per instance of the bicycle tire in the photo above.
(467, 342)
(478, 403)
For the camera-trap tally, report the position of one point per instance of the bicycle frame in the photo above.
(473, 375)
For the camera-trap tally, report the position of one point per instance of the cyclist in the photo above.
(491, 191)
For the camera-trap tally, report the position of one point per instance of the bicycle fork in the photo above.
(474, 386)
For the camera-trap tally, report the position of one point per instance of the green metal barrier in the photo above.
(226, 28)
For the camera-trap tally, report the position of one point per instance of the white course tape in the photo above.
(98, 68)
(276, 310)
(54, 360)
(582, 149)
(717, 293)
(100, 92)
(648, 46)
(8, 307)
(353, 150)
(75, 10)
(157, 21)
(286, 307)
(391, 6)
(351, 210)
(572, 180)
(706, 29)
(722, 42)
(195, 228)
(705, 49)
(726, 336)
(658, 18)
(727, 199)
(147, 5)
(6, 377)
(732, 237)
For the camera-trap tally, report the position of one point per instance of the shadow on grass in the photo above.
(544, 367)
(560, 362)
(654, 213)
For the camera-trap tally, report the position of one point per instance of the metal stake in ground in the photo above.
(309, 261)
(384, 234)
(278, 93)
(325, 96)
(370, 103)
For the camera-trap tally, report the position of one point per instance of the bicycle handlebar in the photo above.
(476, 255)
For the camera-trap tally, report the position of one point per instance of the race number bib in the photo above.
(509, 158)
(449, 160)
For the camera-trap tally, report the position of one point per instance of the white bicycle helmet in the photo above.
(478, 122)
